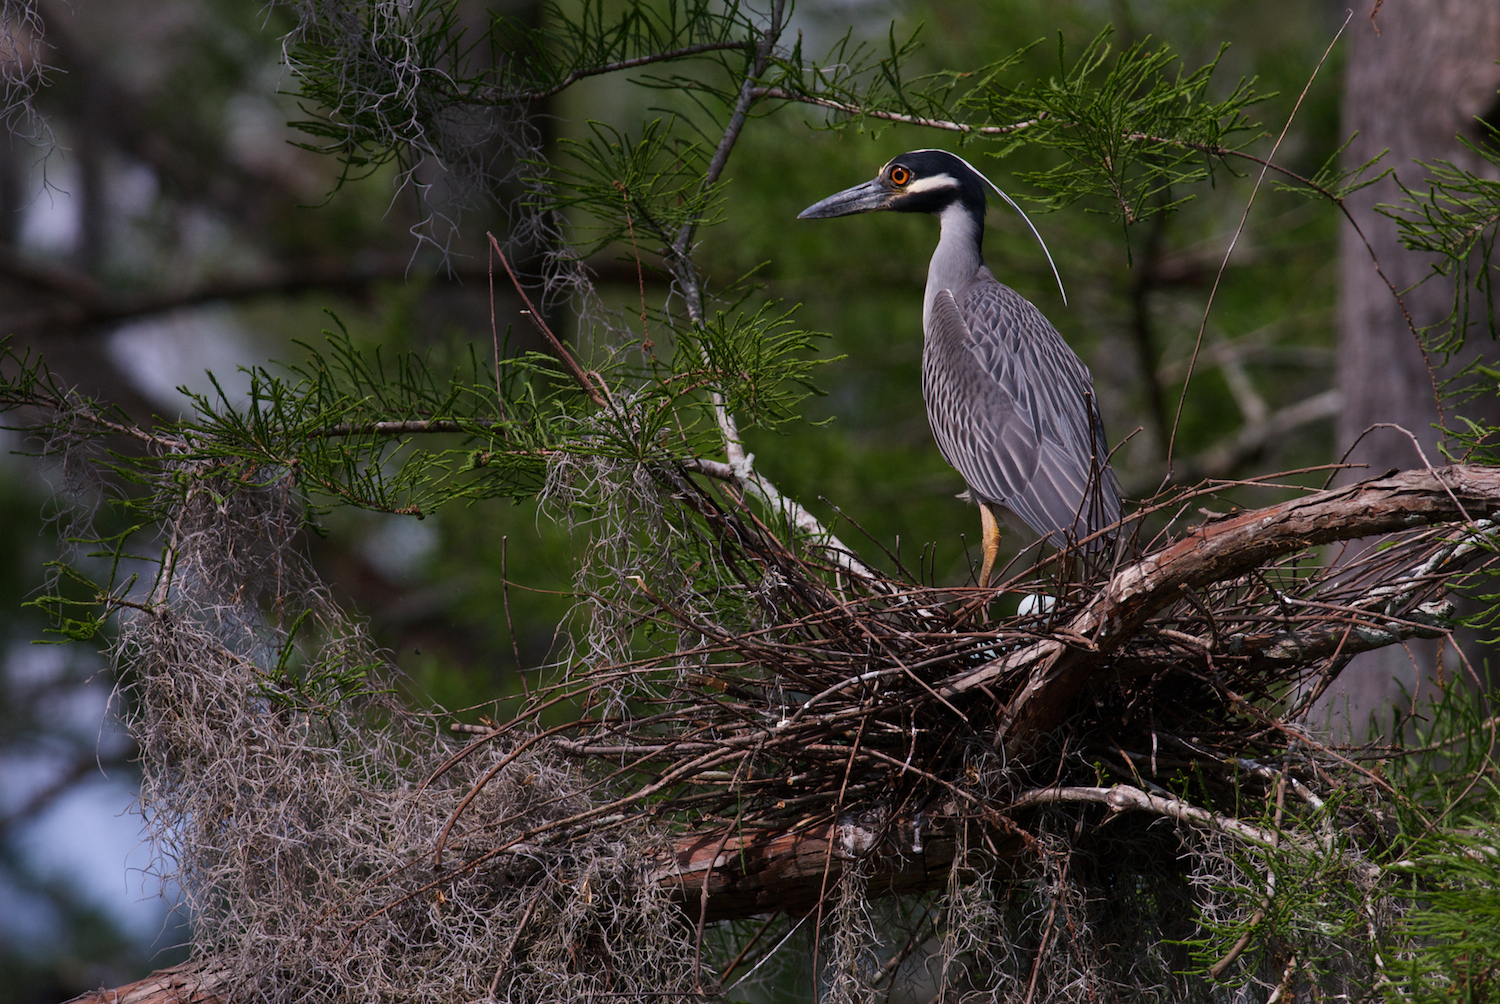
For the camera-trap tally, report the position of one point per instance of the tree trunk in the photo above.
(1419, 72)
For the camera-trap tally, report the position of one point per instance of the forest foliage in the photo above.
(738, 658)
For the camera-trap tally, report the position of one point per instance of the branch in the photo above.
(739, 469)
(206, 982)
(751, 483)
(1121, 797)
(748, 873)
(536, 318)
(1056, 672)
(783, 870)
(625, 64)
(781, 94)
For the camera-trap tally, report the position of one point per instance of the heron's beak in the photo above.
(866, 198)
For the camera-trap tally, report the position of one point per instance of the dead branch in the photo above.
(204, 982)
(1057, 671)
(771, 871)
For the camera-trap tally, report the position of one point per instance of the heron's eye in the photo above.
(900, 176)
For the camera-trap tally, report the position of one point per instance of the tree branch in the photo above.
(1056, 672)
(782, 94)
(574, 76)
(748, 873)
(1121, 797)
(751, 483)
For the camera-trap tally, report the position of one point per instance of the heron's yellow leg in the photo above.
(990, 544)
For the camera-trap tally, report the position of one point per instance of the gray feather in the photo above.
(1013, 410)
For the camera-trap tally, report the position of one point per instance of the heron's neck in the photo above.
(958, 257)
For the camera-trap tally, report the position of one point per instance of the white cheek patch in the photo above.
(936, 181)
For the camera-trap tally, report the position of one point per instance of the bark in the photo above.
(190, 983)
(789, 870)
(1418, 74)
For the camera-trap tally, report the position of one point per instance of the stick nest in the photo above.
(332, 843)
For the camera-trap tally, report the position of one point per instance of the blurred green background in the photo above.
(174, 228)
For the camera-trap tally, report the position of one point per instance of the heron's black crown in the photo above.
(929, 181)
(922, 181)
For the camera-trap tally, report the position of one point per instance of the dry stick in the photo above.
(640, 274)
(781, 94)
(1120, 797)
(707, 875)
(740, 473)
(1324, 681)
(510, 946)
(592, 684)
(510, 624)
(1369, 775)
(1244, 216)
(1422, 455)
(1218, 968)
(494, 329)
(740, 955)
(771, 952)
(536, 319)
(574, 76)
(1041, 950)
(927, 924)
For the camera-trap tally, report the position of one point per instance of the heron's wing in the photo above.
(1072, 487)
(982, 430)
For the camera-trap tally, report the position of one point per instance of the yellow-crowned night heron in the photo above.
(1011, 406)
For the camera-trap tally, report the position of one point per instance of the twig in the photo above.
(510, 624)
(495, 330)
(745, 949)
(623, 64)
(1041, 948)
(1244, 216)
(510, 946)
(1219, 968)
(781, 94)
(536, 319)
(747, 478)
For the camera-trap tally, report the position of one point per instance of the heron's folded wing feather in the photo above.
(980, 426)
(1021, 352)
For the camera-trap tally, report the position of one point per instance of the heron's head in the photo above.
(922, 181)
